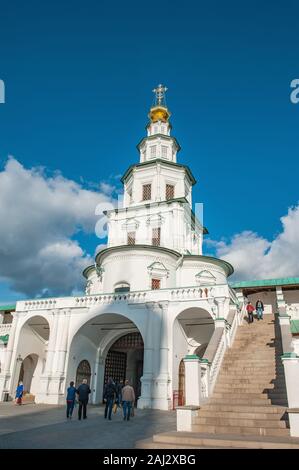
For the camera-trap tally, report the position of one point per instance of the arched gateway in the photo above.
(108, 345)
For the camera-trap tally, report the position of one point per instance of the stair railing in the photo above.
(222, 339)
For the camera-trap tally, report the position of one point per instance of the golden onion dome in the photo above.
(159, 113)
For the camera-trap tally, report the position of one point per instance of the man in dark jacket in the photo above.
(259, 307)
(110, 394)
(83, 392)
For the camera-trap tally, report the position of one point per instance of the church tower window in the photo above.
(156, 284)
(164, 151)
(156, 236)
(153, 151)
(169, 193)
(122, 287)
(131, 238)
(146, 192)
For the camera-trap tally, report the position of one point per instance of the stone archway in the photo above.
(192, 331)
(31, 354)
(27, 371)
(111, 343)
(124, 360)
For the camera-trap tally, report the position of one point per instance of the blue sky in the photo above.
(79, 76)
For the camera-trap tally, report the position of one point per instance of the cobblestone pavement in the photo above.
(33, 426)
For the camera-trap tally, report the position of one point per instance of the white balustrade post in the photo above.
(281, 305)
(291, 370)
(192, 380)
(220, 307)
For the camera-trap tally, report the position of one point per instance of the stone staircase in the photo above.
(248, 406)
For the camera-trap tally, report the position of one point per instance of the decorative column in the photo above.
(145, 400)
(5, 377)
(62, 350)
(192, 380)
(290, 360)
(161, 399)
(241, 300)
(52, 342)
(281, 305)
(41, 396)
(98, 383)
(220, 307)
(55, 388)
(291, 370)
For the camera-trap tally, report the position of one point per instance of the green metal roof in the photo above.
(162, 161)
(4, 338)
(3, 308)
(295, 327)
(284, 281)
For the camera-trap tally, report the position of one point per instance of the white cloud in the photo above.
(254, 257)
(39, 217)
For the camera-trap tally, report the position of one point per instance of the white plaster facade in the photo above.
(152, 279)
(55, 335)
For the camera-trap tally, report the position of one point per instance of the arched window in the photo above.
(83, 372)
(122, 287)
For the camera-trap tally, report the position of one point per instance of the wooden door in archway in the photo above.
(83, 372)
(181, 397)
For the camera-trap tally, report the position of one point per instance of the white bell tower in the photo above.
(157, 204)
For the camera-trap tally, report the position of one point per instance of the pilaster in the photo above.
(161, 399)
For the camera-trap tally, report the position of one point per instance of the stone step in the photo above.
(196, 440)
(225, 369)
(240, 379)
(249, 362)
(231, 414)
(240, 430)
(249, 386)
(255, 392)
(236, 422)
(249, 355)
(150, 444)
(232, 407)
(237, 395)
(241, 401)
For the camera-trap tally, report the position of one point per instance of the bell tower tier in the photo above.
(158, 143)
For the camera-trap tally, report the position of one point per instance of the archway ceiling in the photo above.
(99, 327)
(40, 326)
(197, 324)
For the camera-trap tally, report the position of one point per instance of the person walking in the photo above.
(259, 307)
(70, 400)
(19, 393)
(128, 399)
(250, 310)
(83, 392)
(119, 386)
(110, 395)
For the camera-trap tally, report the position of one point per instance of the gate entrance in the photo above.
(125, 361)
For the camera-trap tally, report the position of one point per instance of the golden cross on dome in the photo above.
(160, 94)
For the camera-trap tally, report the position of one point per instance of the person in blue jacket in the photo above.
(19, 393)
(70, 400)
